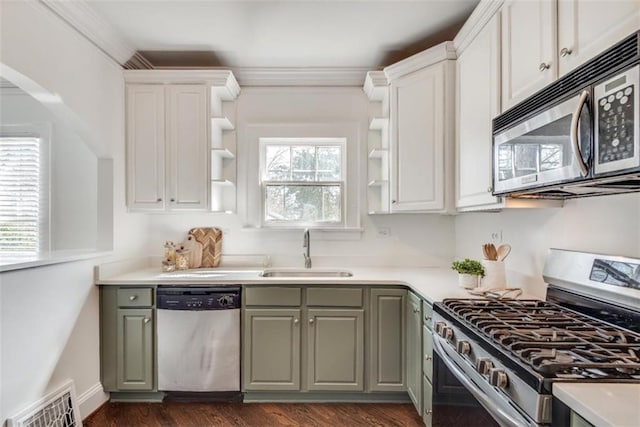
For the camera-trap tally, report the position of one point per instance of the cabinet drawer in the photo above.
(427, 312)
(272, 296)
(334, 297)
(135, 297)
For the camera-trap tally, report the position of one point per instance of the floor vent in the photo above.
(57, 409)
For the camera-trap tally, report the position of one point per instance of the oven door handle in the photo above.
(575, 122)
(504, 418)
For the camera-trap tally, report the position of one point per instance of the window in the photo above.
(23, 195)
(303, 181)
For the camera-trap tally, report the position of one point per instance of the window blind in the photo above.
(23, 196)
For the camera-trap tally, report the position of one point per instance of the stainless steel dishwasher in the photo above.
(198, 339)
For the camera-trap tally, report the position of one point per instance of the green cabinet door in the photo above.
(335, 350)
(414, 350)
(387, 340)
(134, 349)
(271, 358)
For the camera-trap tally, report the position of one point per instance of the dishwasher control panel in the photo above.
(195, 298)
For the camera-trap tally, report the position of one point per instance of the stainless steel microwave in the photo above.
(578, 136)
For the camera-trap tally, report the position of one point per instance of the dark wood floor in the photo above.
(254, 414)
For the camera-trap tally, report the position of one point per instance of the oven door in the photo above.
(551, 147)
(495, 405)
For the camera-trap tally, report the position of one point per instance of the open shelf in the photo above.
(378, 153)
(379, 123)
(222, 123)
(223, 153)
(377, 183)
(223, 182)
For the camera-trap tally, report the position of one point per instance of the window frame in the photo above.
(42, 133)
(341, 142)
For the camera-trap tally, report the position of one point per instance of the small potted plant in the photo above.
(469, 272)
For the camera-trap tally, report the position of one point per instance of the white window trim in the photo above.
(301, 141)
(249, 188)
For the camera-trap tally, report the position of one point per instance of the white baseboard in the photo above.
(91, 400)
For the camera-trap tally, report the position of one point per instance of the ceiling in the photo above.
(290, 33)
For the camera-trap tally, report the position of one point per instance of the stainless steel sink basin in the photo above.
(314, 272)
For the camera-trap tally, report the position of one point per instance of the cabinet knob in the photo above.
(311, 321)
(489, 189)
(428, 412)
(159, 199)
(415, 309)
(565, 52)
(172, 200)
(544, 66)
(147, 320)
(133, 297)
(393, 202)
(296, 321)
(428, 318)
(427, 357)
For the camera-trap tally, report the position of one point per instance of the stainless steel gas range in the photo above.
(509, 353)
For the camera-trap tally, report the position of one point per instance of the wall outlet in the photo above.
(384, 232)
(496, 237)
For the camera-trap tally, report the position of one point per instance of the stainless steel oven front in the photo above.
(547, 148)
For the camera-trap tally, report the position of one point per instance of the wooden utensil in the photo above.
(503, 251)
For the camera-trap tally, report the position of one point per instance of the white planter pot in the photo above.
(494, 275)
(468, 281)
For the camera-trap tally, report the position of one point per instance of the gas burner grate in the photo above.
(552, 340)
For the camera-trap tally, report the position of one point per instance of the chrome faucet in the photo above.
(306, 243)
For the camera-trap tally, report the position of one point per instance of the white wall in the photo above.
(608, 224)
(414, 240)
(49, 321)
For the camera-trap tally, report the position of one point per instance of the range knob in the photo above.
(447, 333)
(484, 365)
(439, 326)
(463, 347)
(498, 378)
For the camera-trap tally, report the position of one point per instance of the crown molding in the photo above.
(138, 62)
(80, 16)
(420, 60)
(480, 16)
(299, 76)
(223, 82)
(376, 85)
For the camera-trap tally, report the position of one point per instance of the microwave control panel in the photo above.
(617, 122)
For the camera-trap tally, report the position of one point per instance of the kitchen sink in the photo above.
(290, 272)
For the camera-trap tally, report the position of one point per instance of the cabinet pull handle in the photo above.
(565, 52)
(133, 297)
(147, 320)
(311, 321)
(296, 321)
(544, 66)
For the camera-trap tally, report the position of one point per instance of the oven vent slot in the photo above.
(57, 409)
(623, 54)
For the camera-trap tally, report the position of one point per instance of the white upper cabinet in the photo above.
(187, 143)
(145, 147)
(478, 101)
(421, 118)
(528, 48)
(167, 147)
(545, 39)
(170, 144)
(586, 28)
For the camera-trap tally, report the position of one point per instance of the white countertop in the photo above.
(602, 404)
(431, 283)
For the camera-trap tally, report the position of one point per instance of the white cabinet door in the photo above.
(586, 28)
(418, 140)
(528, 48)
(145, 147)
(187, 170)
(478, 101)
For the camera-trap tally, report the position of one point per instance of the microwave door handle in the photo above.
(575, 122)
(501, 415)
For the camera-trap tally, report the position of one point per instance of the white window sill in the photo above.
(8, 263)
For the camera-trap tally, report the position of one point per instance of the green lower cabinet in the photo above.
(414, 350)
(387, 340)
(427, 359)
(335, 350)
(427, 390)
(135, 349)
(271, 349)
